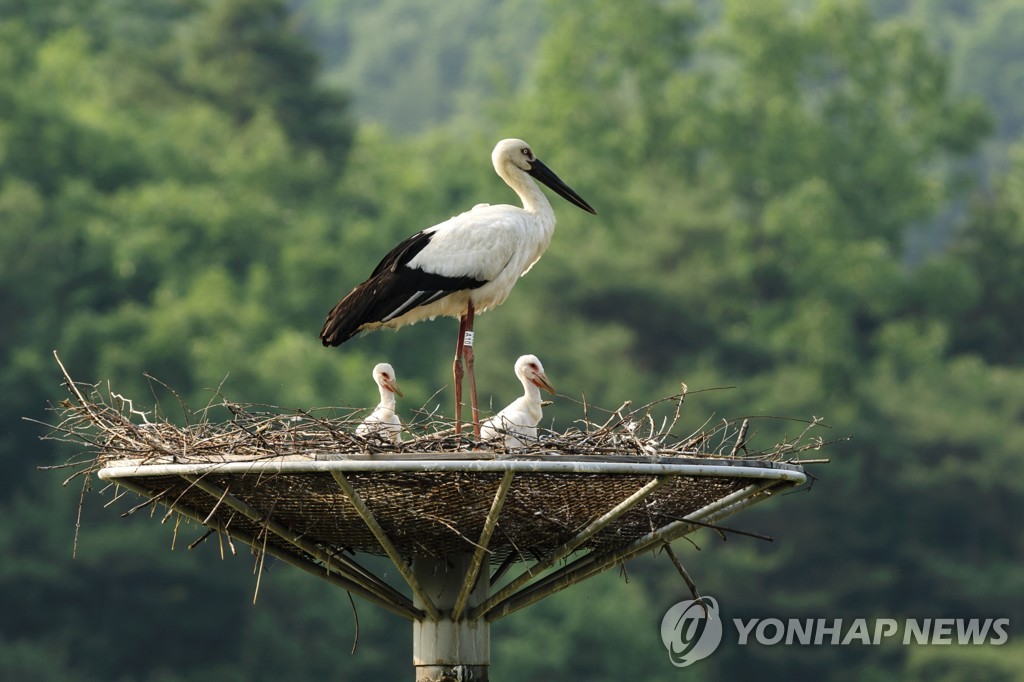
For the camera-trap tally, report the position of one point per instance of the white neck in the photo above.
(529, 192)
(387, 398)
(530, 391)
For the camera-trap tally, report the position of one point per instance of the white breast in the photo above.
(517, 423)
(497, 244)
(383, 423)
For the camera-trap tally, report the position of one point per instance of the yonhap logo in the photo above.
(691, 630)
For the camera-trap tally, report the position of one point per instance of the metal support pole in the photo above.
(325, 572)
(592, 564)
(592, 529)
(473, 573)
(447, 649)
(420, 597)
(340, 563)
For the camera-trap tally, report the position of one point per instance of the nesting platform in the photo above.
(475, 532)
(466, 517)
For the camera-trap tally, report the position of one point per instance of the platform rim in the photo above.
(407, 463)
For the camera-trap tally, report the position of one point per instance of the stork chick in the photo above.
(383, 423)
(518, 422)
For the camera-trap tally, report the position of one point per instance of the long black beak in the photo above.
(548, 177)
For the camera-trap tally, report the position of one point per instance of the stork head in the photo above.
(384, 375)
(529, 370)
(513, 155)
(513, 152)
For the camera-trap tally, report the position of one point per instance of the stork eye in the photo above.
(527, 153)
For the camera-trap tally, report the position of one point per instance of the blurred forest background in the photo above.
(819, 203)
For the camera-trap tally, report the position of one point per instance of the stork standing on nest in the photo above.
(384, 423)
(518, 422)
(465, 265)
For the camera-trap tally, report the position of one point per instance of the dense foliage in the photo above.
(818, 203)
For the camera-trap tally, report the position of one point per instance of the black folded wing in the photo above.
(392, 290)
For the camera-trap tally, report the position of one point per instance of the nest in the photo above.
(108, 428)
(423, 513)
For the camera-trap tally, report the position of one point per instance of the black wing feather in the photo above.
(391, 290)
(403, 253)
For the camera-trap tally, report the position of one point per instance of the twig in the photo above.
(721, 530)
(741, 438)
(355, 617)
(144, 504)
(78, 517)
(213, 511)
(686, 576)
(263, 551)
(202, 537)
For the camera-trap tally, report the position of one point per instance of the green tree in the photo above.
(180, 196)
(145, 216)
(416, 66)
(988, 277)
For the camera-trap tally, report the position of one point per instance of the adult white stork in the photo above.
(465, 265)
(518, 422)
(383, 422)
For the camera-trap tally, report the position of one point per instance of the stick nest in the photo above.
(109, 428)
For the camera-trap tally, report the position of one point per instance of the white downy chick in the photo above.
(518, 422)
(383, 423)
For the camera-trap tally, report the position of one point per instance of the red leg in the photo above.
(457, 371)
(467, 350)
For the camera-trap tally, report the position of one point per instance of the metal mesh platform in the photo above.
(318, 513)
